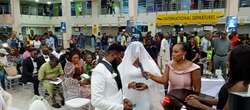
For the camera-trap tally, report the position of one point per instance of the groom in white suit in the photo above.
(106, 86)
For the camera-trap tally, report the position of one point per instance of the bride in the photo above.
(145, 94)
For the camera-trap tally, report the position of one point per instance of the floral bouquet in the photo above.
(166, 101)
(85, 76)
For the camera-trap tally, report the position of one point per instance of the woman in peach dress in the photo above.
(180, 73)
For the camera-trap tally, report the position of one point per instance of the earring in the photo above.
(183, 57)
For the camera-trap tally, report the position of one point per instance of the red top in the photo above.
(235, 39)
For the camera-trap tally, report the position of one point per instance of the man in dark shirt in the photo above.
(221, 48)
(31, 66)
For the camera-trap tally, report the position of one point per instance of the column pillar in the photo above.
(232, 7)
(132, 13)
(16, 14)
(132, 9)
(66, 17)
(96, 5)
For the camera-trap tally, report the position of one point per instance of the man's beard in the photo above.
(115, 63)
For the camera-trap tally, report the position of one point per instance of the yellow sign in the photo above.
(189, 18)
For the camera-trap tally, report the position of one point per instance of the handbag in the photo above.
(11, 70)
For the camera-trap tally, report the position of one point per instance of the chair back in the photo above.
(71, 89)
(39, 103)
(11, 70)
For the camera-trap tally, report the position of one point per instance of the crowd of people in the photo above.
(140, 69)
(32, 40)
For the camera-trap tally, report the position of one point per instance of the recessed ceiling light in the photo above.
(49, 2)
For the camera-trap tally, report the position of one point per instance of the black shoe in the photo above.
(62, 102)
(36, 93)
(56, 105)
(47, 94)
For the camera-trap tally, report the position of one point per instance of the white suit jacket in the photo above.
(104, 91)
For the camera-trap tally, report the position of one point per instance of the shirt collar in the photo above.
(104, 59)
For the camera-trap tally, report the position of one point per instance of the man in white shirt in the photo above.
(164, 55)
(106, 87)
(20, 37)
(37, 43)
(57, 53)
(45, 53)
(205, 44)
(50, 41)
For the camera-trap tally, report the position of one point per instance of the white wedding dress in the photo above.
(139, 99)
(151, 98)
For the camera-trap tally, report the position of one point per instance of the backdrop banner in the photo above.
(189, 18)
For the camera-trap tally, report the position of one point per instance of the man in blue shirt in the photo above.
(50, 41)
(13, 41)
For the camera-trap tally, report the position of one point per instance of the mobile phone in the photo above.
(144, 74)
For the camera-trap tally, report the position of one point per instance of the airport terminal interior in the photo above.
(124, 54)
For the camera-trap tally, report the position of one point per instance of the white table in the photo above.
(77, 102)
(211, 86)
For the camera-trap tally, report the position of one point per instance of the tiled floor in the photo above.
(22, 97)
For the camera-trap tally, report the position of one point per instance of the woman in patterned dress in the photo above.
(77, 86)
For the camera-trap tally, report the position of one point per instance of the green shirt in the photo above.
(88, 68)
(209, 55)
(46, 70)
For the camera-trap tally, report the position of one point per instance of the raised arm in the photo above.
(196, 80)
(161, 79)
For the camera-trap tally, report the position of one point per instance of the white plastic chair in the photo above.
(13, 81)
(38, 105)
(74, 101)
(77, 103)
(13, 78)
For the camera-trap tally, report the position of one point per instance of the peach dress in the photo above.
(181, 79)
